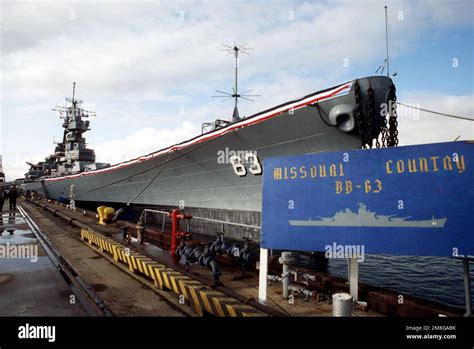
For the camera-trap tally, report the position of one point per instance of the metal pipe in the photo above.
(155, 211)
(285, 260)
(208, 219)
(214, 270)
(274, 278)
(174, 230)
(307, 293)
(71, 220)
(164, 221)
(226, 222)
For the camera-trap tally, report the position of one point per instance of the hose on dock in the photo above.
(70, 220)
(189, 254)
(243, 254)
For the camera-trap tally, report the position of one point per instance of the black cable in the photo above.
(318, 107)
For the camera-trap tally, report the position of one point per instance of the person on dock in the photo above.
(12, 196)
(2, 198)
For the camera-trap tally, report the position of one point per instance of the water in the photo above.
(435, 278)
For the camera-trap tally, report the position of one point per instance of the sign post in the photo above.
(467, 287)
(263, 276)
(354, 278)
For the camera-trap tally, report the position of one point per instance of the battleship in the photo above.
(367, 218)
(188, 175)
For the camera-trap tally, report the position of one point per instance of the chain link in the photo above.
(384, 130)
(392, 121)
(359, 114)
(370, 128)
(371, 124)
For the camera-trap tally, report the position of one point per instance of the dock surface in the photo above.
(30, 285)
(125, 293)
(36, 287)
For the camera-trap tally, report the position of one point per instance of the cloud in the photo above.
(145, 62)
(144, 51)
(143, 141)
(417, 127)
(14, 163)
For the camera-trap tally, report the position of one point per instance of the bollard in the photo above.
(342, 304)
(105, 214)
(100, 211)
(108, 214)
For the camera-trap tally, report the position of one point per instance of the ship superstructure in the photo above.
(71, 155)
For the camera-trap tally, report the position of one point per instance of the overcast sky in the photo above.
(149, 68)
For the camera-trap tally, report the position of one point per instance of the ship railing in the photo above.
(144, 215)
(166, 214)
(227, 223)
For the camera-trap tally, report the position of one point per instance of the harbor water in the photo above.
(434, 278)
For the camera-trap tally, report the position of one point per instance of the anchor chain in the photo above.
(371, 128)
(364, 120)
(359, 114)
(384, 131)
(392, 121)
(370, 122)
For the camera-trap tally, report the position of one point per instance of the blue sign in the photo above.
(413, 200)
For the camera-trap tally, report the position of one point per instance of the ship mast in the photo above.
(236, 64)
(386, 42)
(386, 62)
(73, 91)
(236, 95)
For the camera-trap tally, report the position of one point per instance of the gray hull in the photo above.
(192, 177)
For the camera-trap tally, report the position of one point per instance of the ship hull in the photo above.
(195, 178)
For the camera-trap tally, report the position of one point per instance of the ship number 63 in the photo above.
(250, 158)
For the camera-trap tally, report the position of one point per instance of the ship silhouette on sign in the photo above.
(366, 218)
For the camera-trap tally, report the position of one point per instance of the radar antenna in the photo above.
(386, 62)
(236, 95)
(65, 111)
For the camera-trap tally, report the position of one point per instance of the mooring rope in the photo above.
(436, 112)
